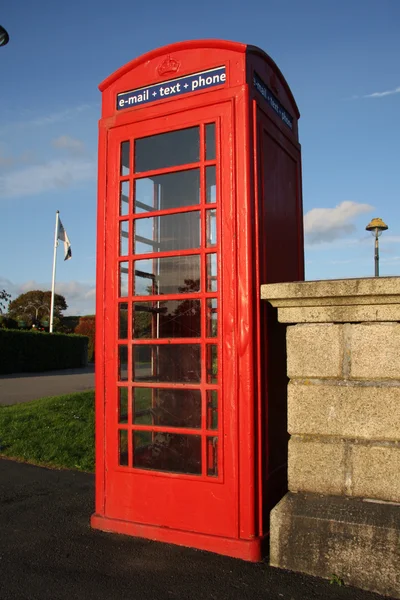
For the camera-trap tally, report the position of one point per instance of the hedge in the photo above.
(33, 351)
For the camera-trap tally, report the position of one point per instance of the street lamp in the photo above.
(376, 226)
(36, 308)
(4, 37)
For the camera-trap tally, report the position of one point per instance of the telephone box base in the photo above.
(249, 550)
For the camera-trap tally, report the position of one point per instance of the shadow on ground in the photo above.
(48, 551)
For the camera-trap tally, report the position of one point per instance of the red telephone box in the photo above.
(199, 204)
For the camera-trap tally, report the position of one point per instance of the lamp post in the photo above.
(4, 37)
(36, 308)
(376, 226)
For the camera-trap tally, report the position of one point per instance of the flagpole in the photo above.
(53, 282)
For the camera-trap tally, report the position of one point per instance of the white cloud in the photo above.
(80, 296)
(29, 120)
(383, 94)
(8, 161)
(344, 262)
(55, 117)
(72, 145)
(392, 239)
(378, 94)
(389, 259)
(55, 174)
(328, 224)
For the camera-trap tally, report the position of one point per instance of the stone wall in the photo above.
(343, 364)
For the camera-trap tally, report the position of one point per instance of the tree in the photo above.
(68, 324)
(4, 297)
(87, 326)
(34, 306)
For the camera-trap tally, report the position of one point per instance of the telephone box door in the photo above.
(170, 441)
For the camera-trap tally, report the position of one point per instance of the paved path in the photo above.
(22, 387)
(49, 552)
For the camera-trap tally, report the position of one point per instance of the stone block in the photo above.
(376, 472)
(357, 541)
(375, 351)
(316, 466)
(344, 409)
(368, 290)
(339, 314)
(315, 350)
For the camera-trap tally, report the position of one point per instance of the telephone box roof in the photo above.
(197, 44)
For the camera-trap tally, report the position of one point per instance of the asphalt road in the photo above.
(49, 552)
(23, 387)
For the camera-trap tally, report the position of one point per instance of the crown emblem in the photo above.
(169, 65)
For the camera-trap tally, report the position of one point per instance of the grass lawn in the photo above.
(56, 431)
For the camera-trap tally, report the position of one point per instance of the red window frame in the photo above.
(206, 434)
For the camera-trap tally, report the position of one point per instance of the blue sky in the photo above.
(340, 59)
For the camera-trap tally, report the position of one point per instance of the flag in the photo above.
(62, 235)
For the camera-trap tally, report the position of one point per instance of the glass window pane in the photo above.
(175, 363)
(167, 407)
(212, 456)
(211, 272)
(123, 363)
(211, 228)
(123, 448)
(210, 141)
(166, 319)
(212, 364)
(123, 321)
(167, 150)
(123, 279)
(124, 238)
(123, 405)
(170, 275)
(125, 155)
(163, 192)
(170, 232)
(212, 409)
(212, 317)
(211, 185)
(171, 452)
(124, 198)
